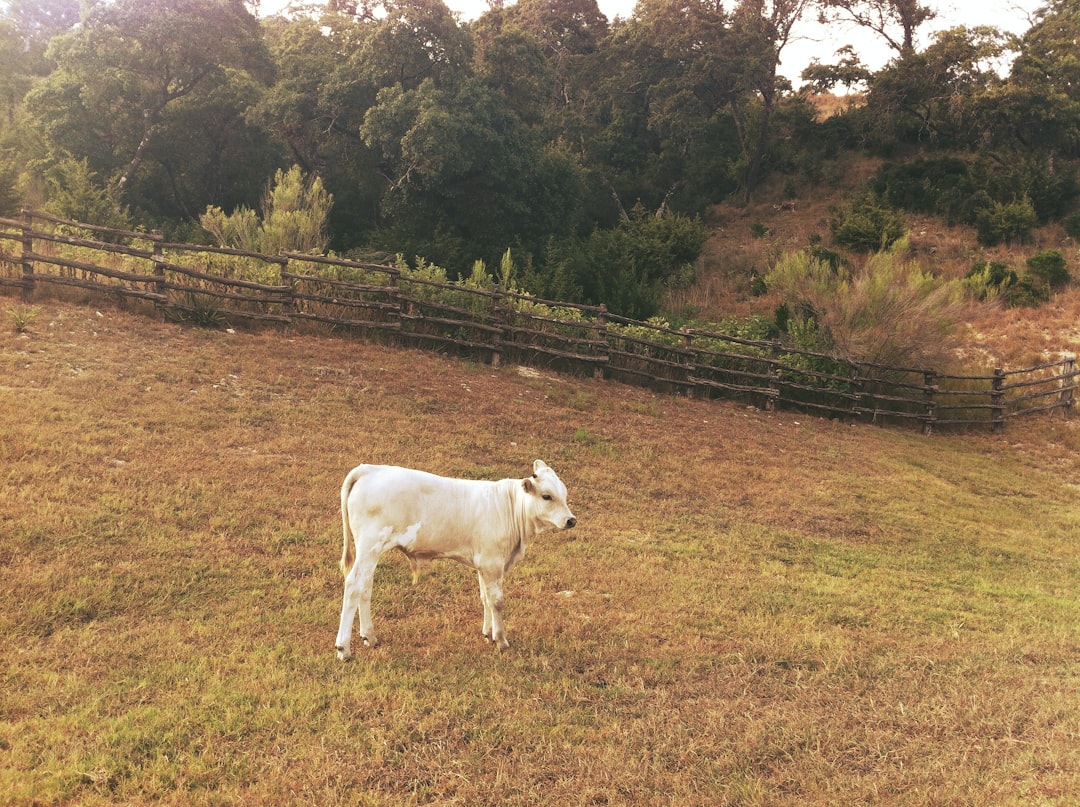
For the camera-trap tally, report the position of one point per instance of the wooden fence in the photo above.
(211, 286)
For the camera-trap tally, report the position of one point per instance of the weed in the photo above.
(200, 313)
(21, 318)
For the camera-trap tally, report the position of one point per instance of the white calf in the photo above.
(484, 525)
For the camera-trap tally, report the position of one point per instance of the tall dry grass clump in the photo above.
(890, 311)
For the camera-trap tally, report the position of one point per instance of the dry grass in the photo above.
(748, 240)
(755, 608)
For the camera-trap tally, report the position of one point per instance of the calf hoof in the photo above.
(370, 641)
(343, 653)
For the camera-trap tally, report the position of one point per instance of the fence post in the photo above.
(498, 318)
(688, 362)
(288, 305)
(997, 400)
(27, 263)
(929, 402)
(1068, 384)
(856, 391)
(395, 294)
(158, 260)
(601, 336)
(774, 376)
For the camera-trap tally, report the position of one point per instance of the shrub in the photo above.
(628, 267)
(74, 192)
(891, 312)
(1027, 293)
(867, 226)
(1048, 268)
(1072, 225)
(941, 186)
(987, 280)
(294, 213)
(9, 180)
(1005, 223)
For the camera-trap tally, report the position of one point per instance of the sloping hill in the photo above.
(754, 608)
(747, 240)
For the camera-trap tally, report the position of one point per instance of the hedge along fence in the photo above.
(204, 285)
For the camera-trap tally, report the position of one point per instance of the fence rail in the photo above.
(199, 283)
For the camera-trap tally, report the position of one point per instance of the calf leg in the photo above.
(486, 604)
(492, 594)
(357, 600)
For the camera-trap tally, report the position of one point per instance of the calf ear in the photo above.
(527, 485)
(538, 466)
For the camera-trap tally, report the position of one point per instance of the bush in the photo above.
(74, 192)
(294, 213)
(1005, 223)
(987, 280)
(1047, 267)
(890, 313)
(1072, 225)
(628, 267)
(867, 226)
(9, 195)
(943, 187)
(1027, 293)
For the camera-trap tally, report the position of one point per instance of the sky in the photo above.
(815, 41)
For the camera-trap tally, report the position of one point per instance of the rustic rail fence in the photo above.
(202, 284)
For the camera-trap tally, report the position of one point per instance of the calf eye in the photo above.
(547, 498)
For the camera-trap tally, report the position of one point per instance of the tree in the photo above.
(883, 17)
(128, 65)
(1039, 107)
(464, 177)
(707, 61)
(410, 41)
(38, 21)
(763, 29)
(935, 96)
(316, 107)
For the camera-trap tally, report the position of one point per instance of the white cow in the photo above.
(485, 525)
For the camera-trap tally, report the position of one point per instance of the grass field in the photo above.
(755, 608)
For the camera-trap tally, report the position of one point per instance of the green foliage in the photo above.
(1046, 272)
(21, 318)
(152, 93)
(866, 225)
(294, 213)
(1049, 185)
(1005, 223)
(9, 194)
(524, 128)
(1048, 268)
(627, 267)
(988, 280)
(1028, 293)
(75, 192)
(1072, 226)
(940, 186)
(199, 312)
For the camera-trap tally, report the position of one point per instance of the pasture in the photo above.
(755, 608)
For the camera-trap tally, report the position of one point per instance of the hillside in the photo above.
(737, 248)
(755, 608)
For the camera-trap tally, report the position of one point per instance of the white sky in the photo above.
(814, 41)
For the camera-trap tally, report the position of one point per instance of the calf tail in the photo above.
(348, 549)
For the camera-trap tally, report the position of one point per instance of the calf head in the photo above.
(546, 502)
